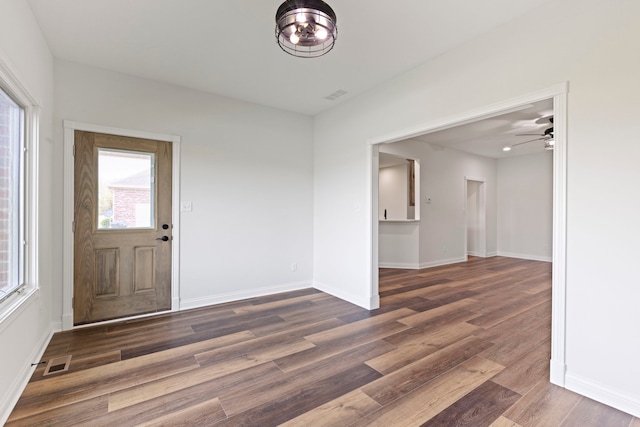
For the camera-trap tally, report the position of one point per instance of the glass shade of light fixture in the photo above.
(306, 28)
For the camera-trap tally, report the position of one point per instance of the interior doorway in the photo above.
(476, 213)
(558, 95)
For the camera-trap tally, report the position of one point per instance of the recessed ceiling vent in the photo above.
(335, 95)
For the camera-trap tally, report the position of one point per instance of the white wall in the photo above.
(247, 170)
(399, 244)
(394, 192)
(23, 334)
(525, 206)
(591, 44)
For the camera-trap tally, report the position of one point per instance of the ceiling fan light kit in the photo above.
(306, 28)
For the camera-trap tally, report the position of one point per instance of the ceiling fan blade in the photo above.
(531, 140)
(544, 120)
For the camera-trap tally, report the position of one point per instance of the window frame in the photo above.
(15, 199)
(28, 262)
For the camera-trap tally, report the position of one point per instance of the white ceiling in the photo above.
(228, 47)
(487, 137)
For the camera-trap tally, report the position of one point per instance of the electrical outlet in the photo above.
(186, 206)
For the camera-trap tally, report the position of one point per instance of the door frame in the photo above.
(68, 214)
(559, 94)
(482, 215)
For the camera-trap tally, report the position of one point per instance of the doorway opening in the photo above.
(476, 213)
(558, 95)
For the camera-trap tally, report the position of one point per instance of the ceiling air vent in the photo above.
(335, 95)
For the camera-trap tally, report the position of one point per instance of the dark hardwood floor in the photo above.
(465, 344)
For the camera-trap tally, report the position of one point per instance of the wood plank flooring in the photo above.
(464, 344)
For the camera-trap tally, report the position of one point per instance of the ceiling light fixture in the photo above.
(306, 28)
(506, 148)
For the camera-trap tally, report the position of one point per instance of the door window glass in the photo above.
(126, 189)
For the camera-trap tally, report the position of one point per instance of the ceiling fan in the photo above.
(546, 136)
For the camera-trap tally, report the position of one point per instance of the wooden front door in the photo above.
(122, 227)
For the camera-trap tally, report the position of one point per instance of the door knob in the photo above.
(163, 238)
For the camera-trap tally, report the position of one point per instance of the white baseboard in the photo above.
(429, 264)
(402, 265)
(55, 327)
(602, 394)
(370, 303)
(557, 372)
(439, 262)
(478, 254)
(374, 302)
(526, 256)
(236, 296)
(22, 379)
(67, 321)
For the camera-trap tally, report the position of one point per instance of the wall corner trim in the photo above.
(557, 373)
